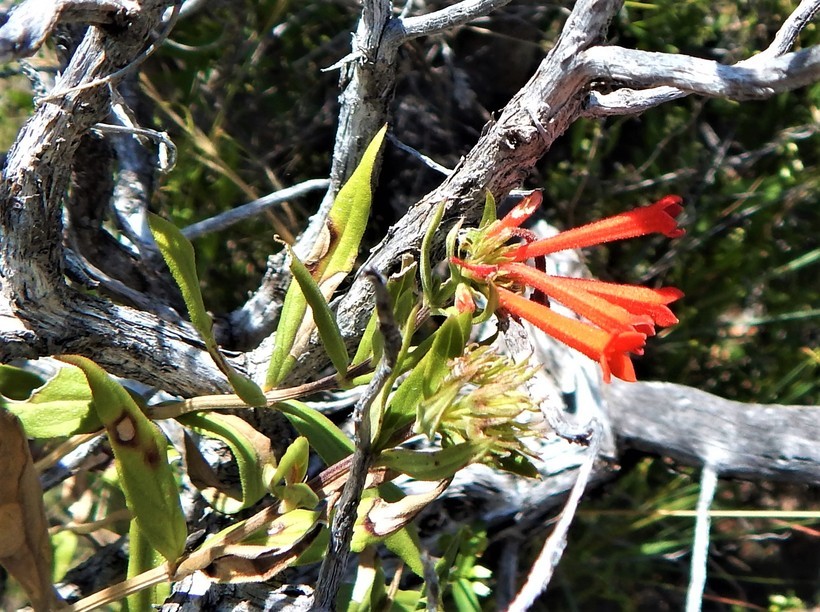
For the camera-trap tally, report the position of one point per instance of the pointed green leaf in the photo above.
(178, 253)
(141, 558)
(489, 215)
(250, 449)
(403, 294)
(141, 459)
(293, 464)
(61, 407)
(449, 341)
(436, 465)
(428, 289)
(298, 495)
(351, 209)
(285, 531)
(332, 260)
(405, 544)
(323, 317)
(322, 433)
(518, 464)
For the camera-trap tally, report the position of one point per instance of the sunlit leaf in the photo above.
(293, 464)
(141, 459)
(319, 310)
(250, 449)
(402, 289)
(324, 436)
(490, 212)
(331, 261)
(61, 407)
(179, 255)
(435, 465)
(428, 289)
(448, 342)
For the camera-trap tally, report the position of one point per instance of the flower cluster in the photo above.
(618, 318)
(482, 398)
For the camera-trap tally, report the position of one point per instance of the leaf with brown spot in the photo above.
(245, 553)
(340, 241)
(25, 550)
(377, 519)
(141, 459)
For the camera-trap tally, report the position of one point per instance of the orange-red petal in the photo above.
(481, 271)
(634, 298)
(519, 213)
(658, 217)
(598, 310)
(609, 349)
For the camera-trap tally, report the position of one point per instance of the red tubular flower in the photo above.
(618, 317)
(608, 349)
(658, 217)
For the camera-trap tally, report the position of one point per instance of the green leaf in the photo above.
(293, 464)
(324, 436)
(519, 464)
(449, 341)
(317, 549)
(61, 407)
(351, 210)
(464, 596)
(331, 261)
(141, 558)
(436, 465)
(489, 215)
(297, 495)
(250, 449)
(428, 289)
(285, 531)
(141, 459)
(402, 288)
(178, 253)
(323, 317)
(406, 546)
(16, 383)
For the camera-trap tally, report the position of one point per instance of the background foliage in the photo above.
(241, 90)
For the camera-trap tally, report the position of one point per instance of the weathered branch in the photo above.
(639, 69)
(32, 22)
(750, 441)
(368, 81)
(442, 20)
(629, 101)
(41, 314)
(787, 35)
